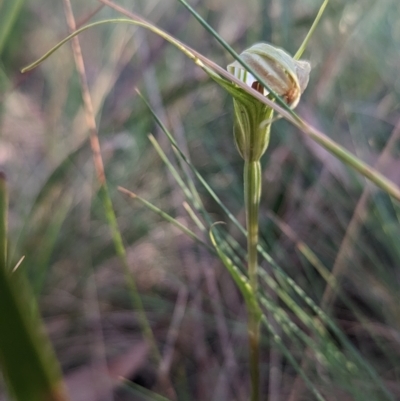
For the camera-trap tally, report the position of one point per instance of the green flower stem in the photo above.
(252, 194)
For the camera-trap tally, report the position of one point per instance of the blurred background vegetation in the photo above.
(310, 200)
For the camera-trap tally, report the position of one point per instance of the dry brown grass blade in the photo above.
(87, 100)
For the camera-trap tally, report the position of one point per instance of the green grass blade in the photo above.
(303, 46)
(9, 11)
(130, 280)
(240, 279)
(172, 169)
(27, 360)
(49, 242)
(165, 216)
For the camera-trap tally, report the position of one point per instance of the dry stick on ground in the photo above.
(347, 245)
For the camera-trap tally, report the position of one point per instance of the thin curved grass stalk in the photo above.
(318, 17)
(236, 87)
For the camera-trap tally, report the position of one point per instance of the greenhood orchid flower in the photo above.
(286, 76)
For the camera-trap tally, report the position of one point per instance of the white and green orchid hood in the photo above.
(286, 76)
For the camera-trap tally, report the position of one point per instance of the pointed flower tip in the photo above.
(284, 75)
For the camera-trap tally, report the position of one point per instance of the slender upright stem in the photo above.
(252, 194)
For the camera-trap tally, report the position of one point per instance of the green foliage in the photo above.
(314, 346)
(26, 358)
